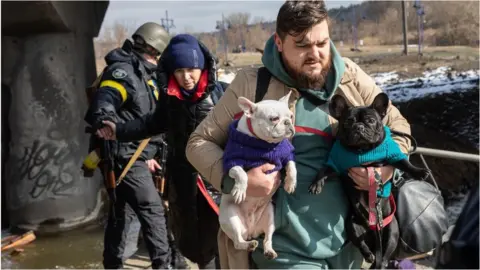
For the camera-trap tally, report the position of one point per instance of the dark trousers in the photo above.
(213, 264)
(137, 195)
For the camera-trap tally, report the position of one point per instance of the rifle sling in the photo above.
(134, 158)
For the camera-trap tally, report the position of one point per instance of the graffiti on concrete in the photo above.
(46, 165)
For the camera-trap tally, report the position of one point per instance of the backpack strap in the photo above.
(263, 80)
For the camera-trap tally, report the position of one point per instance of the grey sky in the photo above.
(197, 16)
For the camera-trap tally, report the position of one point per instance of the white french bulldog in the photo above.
(260, 136)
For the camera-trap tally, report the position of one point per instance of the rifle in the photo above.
(159, 174)
(109, 174)
(108, 162)
(106, 159)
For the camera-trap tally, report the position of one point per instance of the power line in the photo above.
(167, 23)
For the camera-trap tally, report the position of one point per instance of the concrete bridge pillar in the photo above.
(47, 61)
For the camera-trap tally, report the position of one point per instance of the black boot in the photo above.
(178, 260)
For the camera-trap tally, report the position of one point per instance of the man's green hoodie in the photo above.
(309, 228)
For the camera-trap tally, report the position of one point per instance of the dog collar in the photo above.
(250, 128)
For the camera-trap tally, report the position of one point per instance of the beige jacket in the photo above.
(205, 146)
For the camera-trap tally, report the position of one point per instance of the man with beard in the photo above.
(301, 58)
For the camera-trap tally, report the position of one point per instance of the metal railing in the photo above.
(422, 151)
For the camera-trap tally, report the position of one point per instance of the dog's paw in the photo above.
(291, 178)
(290, 184)
(252, 245)
(239, 193)
(370, 258)
(317, 186)
(421, 174)
(270, 254)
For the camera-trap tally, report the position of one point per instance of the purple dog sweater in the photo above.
(249, 152)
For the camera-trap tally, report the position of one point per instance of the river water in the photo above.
(80, 248)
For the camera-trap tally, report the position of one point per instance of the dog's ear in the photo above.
(247, 106)
(337, 106)
(286, 98)
(380, 104)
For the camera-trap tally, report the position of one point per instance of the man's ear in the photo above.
(247, 106)
(286, 98)
(337, 105)
(278, 42)
(380, 104)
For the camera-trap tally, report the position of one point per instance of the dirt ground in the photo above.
(375, 59)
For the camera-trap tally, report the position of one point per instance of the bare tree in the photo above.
(391, 29)
(256, 38)
(238, 28)
(209, 40)
(238, 19)
(458, 23)
(258, 20)
(113, 36)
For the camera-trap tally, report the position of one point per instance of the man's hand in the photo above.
(360, 175)
(153, 165)
(261, 184)
(108, 131)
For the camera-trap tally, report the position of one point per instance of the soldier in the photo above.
(127, 91)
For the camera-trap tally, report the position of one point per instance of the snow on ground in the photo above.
(438, 81)
(226, 77)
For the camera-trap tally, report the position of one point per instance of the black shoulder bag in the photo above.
(421, 215)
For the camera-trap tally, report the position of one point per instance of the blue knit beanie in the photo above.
(185, 53)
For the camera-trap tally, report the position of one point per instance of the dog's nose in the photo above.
(360, 128)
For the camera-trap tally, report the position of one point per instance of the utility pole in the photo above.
(341, 30)
(420, 14)
(354, 29)
(404, 18)
(167, 23)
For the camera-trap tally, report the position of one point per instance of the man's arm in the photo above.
(368, 89)
(146, 126)
(109, 97)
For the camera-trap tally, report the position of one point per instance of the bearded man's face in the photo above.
(307, 57)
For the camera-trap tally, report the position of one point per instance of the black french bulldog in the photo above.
(361, 133)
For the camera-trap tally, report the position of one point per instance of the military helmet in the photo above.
(154, 35)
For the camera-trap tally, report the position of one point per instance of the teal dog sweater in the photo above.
(340, 159)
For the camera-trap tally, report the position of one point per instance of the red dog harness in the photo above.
(298, 129)
(375, 220)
